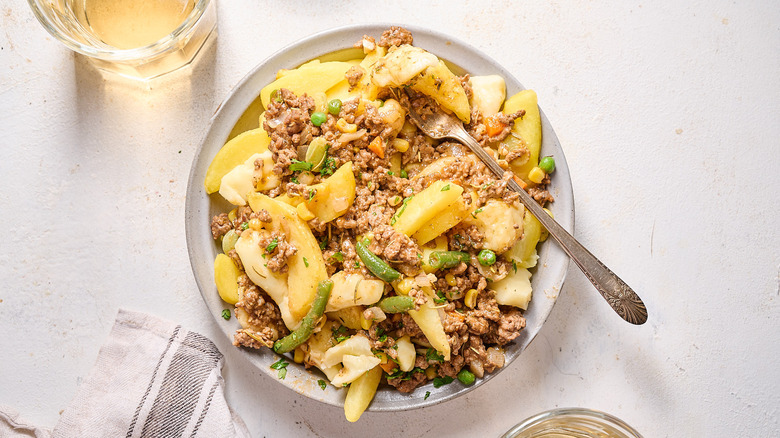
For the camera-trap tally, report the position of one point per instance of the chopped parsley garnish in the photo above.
(226, 314)
(400, 210)
(427, 394)
(272, 246)
(322, 384)
(281, 366)
(438, 382)
(476, 212)
(294, 179)
(440, 298)
(312, 192)
(514, 266)
(324, 243)
(340, 333)
(244, 225)
(404, 174)
(328, 167)
(297, 166)
(433, 355)
(391, 173)
(339, 256)
(305, 262)
(445, 188)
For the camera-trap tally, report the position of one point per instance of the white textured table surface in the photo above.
(669, 113)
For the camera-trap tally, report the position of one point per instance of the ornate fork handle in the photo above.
(618, 294)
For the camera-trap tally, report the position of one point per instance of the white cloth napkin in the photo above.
(152, 378)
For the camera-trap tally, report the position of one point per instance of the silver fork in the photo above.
(618, 294)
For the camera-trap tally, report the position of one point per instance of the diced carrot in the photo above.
(493, 126)
(520, 182)
(377, 146)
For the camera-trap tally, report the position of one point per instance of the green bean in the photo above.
(302, 333)
(376, 265)
(396, 304)
(447, 259)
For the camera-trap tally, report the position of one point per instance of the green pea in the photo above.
(466, 377)
(334, 106)
(318, 118)
(547, 164)
(486, 257)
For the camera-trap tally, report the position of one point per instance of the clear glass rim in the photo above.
(114, 54)
(573, 413)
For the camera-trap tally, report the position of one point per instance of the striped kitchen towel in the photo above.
(152, 378)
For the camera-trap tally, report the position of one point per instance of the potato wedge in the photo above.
(306, 266)
(526, 131)
(353, 290)
(274, 284)
(424, 206)
(309, 78)
(429, 320)
(406, 353)
(360, 393)
(523, 252)
(226, 275)
(445, 88)
(500, 223)
(488, 93)
(514, 289)
(332, 198)
(234, 153)
(246, 178)
(452, 215)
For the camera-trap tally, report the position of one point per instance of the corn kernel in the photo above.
(304, 212)
(395, 200)
(365, 324)
(298, 355)
(536, 175)
(255, 224)
(451, 280)
(382, 357)
(345, 127)
(430, 373)
(404, 286)
(400, 144)
(232, 214)
(470, 300)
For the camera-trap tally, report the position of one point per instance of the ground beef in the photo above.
(395, 36)
(288, 123)
(276, 247)
(507, 329)
(263, 316)
(409, 382)
(220, 224)
(353, 76)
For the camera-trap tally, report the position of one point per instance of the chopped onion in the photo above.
(476, 367)
(276, 121)
(495, 356)
(422, 280)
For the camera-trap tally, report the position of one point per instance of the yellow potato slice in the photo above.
(226, 275)
(234, 153)
(360, 394)
(424, 206)
(306, 266)
(309, 79)
(526, 131)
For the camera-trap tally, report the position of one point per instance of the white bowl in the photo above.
(200, 207)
